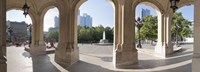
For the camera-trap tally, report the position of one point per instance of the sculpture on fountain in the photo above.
(104, 40)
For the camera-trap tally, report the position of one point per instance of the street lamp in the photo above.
(174, 7)
(173, 4)
(176, 28)
(25, 8)
(139, 24)
(10, 30)
(29, 28)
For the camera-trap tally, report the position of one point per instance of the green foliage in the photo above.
(184, 26)
(94, 34)
(53, 35)
(149, 29)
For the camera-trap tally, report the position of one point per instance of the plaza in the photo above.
(122, 56)
(94, 58)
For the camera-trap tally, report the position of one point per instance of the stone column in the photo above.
(126, 55)
(3, 65)
(160, 48)
(169, 48)
(67, 52)
(196, 52)
(63, 51)
(117, 29)
(37, 43)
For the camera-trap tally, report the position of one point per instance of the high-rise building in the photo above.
(56, 20)
(79, 17)
(144, 13)
(85, 20)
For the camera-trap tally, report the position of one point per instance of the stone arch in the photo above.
(43, 10)
(19, 7)
(153, 3)
(113, 3)
(185, 3)
(46, 7)
(77, 6)
(160, 18)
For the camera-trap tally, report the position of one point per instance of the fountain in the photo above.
(104, 40)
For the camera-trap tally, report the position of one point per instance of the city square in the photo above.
(95, 58)
(99, 35)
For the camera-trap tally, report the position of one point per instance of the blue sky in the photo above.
(101, 11)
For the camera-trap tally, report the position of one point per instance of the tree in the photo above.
(94, 34)
(98, 33)
(53, 35)
(183, 26)
(149, 29)
(109, 34)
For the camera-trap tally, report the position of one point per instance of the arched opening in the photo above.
(182, 26)
(95, 21)
(148, 27)
(18, 36)
(51, 28)
(182, 35)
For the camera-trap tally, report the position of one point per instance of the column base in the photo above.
(38, 48)
(66, 54)
(163, 50)
(125, 56)
(196, 62)
(3, 64)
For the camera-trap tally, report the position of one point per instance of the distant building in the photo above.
(79, 17)
(56, 20)
(144, 13)
(19, 30)
(84, 20)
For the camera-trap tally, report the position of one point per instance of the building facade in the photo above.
(144, 13)
(19, 30)
(56, 20)
(85, 20)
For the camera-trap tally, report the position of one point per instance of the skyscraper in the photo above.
(86, 20)
(79, 17)
(56, 20)
(144, 13)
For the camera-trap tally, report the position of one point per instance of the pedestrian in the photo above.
(52, 43)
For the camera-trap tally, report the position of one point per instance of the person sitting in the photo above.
(51, 44)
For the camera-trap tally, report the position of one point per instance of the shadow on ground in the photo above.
(174, 59)
(42, 64)
(82, 66)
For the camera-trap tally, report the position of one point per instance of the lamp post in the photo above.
(174, 7)
(25, 8)
(29, 28)
(176, 28)
(10, 32)
(139, 24)
(173, 4)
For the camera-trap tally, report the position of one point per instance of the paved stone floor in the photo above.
(95, 58)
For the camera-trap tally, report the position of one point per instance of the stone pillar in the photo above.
(117, 29)
(169, 48)
(63, 51)
(125, 55)
(160, 48)
(3, 64)
(67, 52)
(196, 52)
(37, 43)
